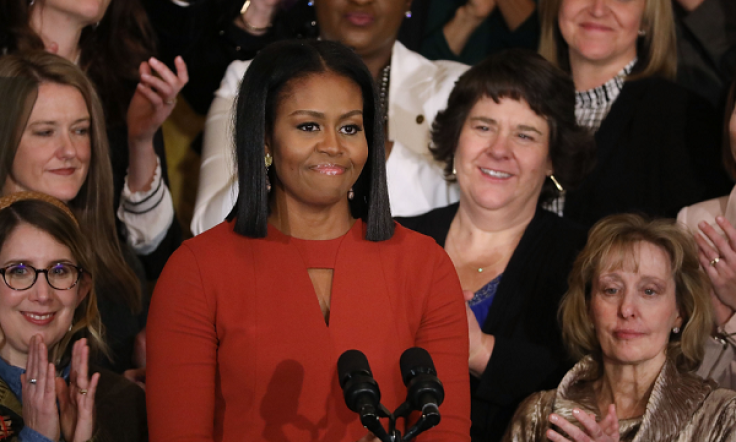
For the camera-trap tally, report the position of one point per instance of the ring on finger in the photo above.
(33, 381)
(171, 102)
(83, 391)
(715, 261)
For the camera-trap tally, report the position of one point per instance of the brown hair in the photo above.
(62, 226)
(93, 205)
(111, 50)
(656, 50)
(520, 75)
(615, 237)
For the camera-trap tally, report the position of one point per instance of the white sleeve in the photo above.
(416, 185)
(146, 216)
(217, 189)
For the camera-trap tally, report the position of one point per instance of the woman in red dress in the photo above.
(239, 348)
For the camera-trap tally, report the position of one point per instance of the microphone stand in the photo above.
(371, 421)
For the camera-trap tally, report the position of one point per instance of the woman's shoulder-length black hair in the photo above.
(270, 71)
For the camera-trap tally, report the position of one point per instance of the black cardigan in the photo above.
(658, 151)
(528, 355)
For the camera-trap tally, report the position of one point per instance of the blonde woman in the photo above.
(657, 142)
(636, 314)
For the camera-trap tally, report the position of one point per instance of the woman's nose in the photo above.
(500, 147)
(627, 306)
(330, 143)
(66, 148)
(41, 290)
(598, 7)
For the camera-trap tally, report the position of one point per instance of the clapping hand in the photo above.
(719, 259)
(603, 431)
(154, 98)
(41, 389)
(481, 344)
(77, 401)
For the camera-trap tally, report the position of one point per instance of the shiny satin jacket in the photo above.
(682, 408)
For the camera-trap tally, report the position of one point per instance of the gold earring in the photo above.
(557, 184)
(268, 160)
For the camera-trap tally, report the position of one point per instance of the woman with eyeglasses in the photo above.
(50, 327)
(53, 140)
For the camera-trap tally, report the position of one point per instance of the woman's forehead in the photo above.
(629, 257)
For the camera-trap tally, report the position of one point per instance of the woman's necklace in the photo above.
(383, 90)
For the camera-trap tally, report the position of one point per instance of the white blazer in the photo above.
(418, 89)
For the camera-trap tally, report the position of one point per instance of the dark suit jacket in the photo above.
(658, 151)
(528, 355)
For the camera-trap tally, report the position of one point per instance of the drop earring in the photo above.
(351, 194)
(31, 3)
(268, 160)
(408, 14)
(310, 3)
(454, 171)
(557, 184)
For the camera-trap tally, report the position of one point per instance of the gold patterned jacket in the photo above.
(682, 408)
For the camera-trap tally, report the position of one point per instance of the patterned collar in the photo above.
(592, 106)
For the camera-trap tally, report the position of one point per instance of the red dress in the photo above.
(238, 348)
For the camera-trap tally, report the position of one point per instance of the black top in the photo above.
(528, 355)
(658, 150)
(204, 34)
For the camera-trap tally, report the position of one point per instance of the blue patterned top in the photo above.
(483, 298)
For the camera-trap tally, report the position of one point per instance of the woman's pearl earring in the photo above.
(676, 330)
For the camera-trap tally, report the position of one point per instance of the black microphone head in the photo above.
(414, 361)
(360, 390)
(350, 363)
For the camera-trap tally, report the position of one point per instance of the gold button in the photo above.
(420, 119)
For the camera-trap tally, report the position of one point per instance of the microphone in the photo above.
(424, 389)
(361, 391)
(356, 380)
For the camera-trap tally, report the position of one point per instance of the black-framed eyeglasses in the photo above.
(60, 276)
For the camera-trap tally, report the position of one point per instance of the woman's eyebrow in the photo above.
(311, 113)
(484, 120)
(525, 128)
